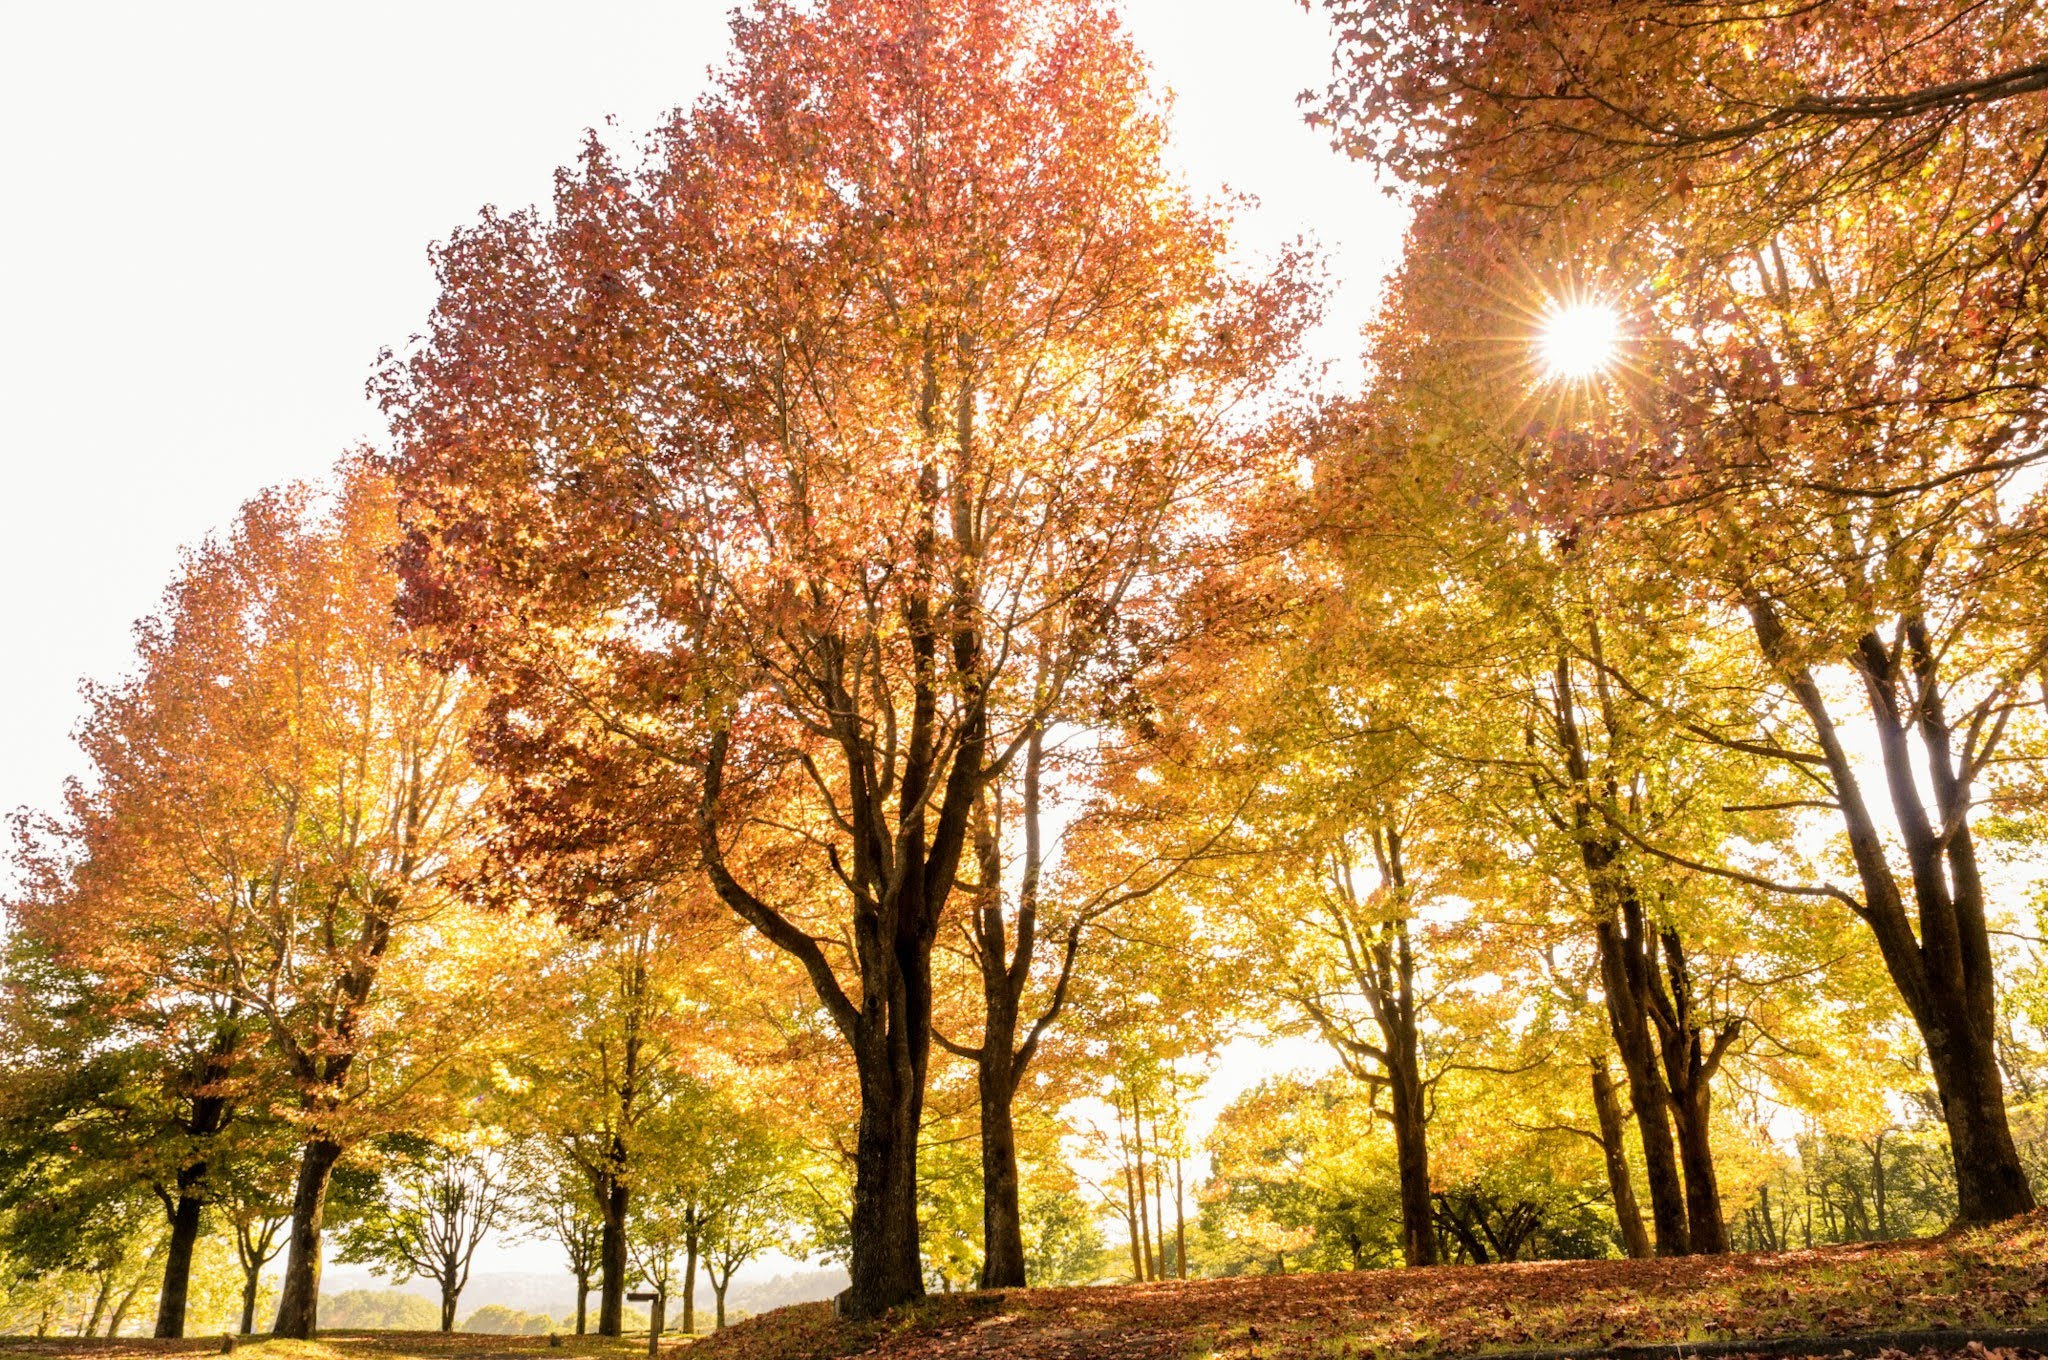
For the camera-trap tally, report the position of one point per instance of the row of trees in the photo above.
(868, 597)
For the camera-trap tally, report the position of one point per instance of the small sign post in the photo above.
(658, 1302)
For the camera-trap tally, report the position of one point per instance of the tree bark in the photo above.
(690, 1277)
(298, 1307)
(1941, 962)
(1692, 1054)
(885, 1264)
(582, 1302)
(1180, 1221)
(1002, 1218)
(611, 1253)
(184, 1237)
(447, 1309)
(1628, 1215)
(206, 1115)
(252, 1280)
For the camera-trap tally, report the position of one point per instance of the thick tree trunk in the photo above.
(1411, 1154)
(178, 1247)
(1705, 1225)
(1991, 1184)
(1002, 1217)
(1628, 1215)
(885, 1265)
(611, 1255)
(298, 1307)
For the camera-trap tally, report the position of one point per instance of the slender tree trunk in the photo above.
(252, 1281)
(178, 1248)
(1144, 1207)
(1940, 959)
(1877, 1185)
(121, 1309)
(611, 1253)
(1159, 1195)
(582, 1302)
(690, 1278)
(1180, 1220)
(1625, 975)
(1628, 1214)
(447, 1309)
(206, 1116)
(1131, 1222)
(298, 1307)
(1628, 1020)
(718, 1302)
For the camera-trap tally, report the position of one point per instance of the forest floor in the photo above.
(1964, 1282)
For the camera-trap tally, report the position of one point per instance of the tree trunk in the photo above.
(611, 1252)
(1940, 960)
(690, 1280)
(1628, 1020)
(121, 1309)
(447, 1309)
(1131, 1215)
(1411, 1154)
(885, 1264)
(1002, 1217)
(298, 1307)
(1707, 1229)
(1625, 971)
(1144, 1206)
(1628, 1215)
(252, 1280)
(178, 1247)
(1180, 1221)
(582, 1302)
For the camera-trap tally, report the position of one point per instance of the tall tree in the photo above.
(904, 365)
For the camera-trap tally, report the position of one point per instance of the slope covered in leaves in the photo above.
(1985, 1279)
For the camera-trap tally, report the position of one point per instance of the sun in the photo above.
(1579, 340)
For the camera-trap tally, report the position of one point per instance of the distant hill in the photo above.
(803, 1286)
(523, 1294)
(379, 1310)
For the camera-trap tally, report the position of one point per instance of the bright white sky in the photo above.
(217, 212)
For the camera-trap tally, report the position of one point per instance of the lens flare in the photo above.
(1580, 340)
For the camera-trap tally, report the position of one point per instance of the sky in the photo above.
(217, 213)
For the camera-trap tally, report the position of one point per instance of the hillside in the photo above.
(1965, 1282)
(1977, 1280)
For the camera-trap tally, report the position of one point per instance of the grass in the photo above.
(1984, 1279)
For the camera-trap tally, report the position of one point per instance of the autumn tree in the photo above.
(1822, 223)
(904, 371)
(434, 1207)
(279, 793)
